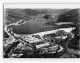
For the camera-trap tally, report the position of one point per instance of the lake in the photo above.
(30, 28)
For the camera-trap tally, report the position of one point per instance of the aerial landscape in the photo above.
(41, 33)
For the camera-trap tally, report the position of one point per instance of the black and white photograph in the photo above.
(41, 31)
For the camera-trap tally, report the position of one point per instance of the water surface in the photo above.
(30, 28)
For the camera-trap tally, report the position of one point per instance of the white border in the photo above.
(38, 5)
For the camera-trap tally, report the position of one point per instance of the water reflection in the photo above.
(30, 28)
